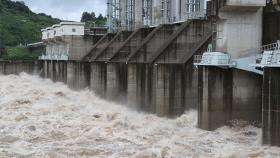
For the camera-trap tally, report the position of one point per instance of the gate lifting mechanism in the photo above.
(265, 56)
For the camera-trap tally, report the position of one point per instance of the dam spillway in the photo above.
(41, 118)
(152, 68)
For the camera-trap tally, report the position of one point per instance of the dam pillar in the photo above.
(131, 86)
(141, 88)
(271, 106)
(226, 95)
(2, 67)
(98, 78)
(116, 82)
(176, 89)
(162, 91)
(45, 69)
(60, 71)
(50, 69)
(78, 75)
(56, 71)
(70, 74)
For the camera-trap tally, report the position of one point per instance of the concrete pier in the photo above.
(176, 89)
(227, 94)
(176, 79)
(78, 75)
(271, 106)
(98, 80)
(16, 67)
(117, 82)
(141, 91)
(54, 70)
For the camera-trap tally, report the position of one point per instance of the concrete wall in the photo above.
(141, 90)
(238, 31)
(16, 67)
(176, 89)
(116, 88)
(79, 30)
(246, 3)
(54, 70)
(98, 47)
(78, 75)
(226, 94)
(271, 25)
(138, 14)
(114, 45)
(271, 106)
(75, 47)
(152, 43)
(122, 54)
(79, 46)
(98, 80)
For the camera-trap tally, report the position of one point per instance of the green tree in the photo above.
(100, 17)
(91, 20)
(86, 17)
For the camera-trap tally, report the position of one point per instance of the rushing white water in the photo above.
(39, 118)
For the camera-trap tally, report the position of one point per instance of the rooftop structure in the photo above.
(63, 28)
(69, 40)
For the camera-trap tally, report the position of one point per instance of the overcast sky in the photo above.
(67, 9)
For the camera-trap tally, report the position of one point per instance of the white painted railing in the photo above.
(54, 57)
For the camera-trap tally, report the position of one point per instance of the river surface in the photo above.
(39, 118)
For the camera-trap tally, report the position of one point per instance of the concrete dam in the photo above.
(169, 67)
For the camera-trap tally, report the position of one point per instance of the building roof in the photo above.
(72, 23)
(37, 44)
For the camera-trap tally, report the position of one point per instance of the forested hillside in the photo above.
(19, 25)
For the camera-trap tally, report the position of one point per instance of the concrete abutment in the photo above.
(228, 94)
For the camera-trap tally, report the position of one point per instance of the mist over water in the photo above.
(39, 118)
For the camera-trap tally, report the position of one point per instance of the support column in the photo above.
(45, 69)
(162, 91)
(70, 74)
(131, 86)
(2, 67)
(50, 69)
(116, 82)
(271, 106)
(142, 87)
(227, 94)
(215, 97)
(98, 78)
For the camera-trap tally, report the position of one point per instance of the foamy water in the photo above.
(39, 118)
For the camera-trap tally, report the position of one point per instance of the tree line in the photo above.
(91, 20)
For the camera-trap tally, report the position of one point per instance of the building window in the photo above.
(73, 30)
(54, 33)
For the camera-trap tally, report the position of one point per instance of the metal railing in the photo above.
(173, 20)
(53, 57)
(215, 60)
(259, 50)
(96, 31)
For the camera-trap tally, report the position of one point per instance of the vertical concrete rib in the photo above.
(271, 107)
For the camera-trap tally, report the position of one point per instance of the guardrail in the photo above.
(259, 50)
(54, 57)
(213, 60)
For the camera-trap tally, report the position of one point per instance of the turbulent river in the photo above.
(39, 118)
